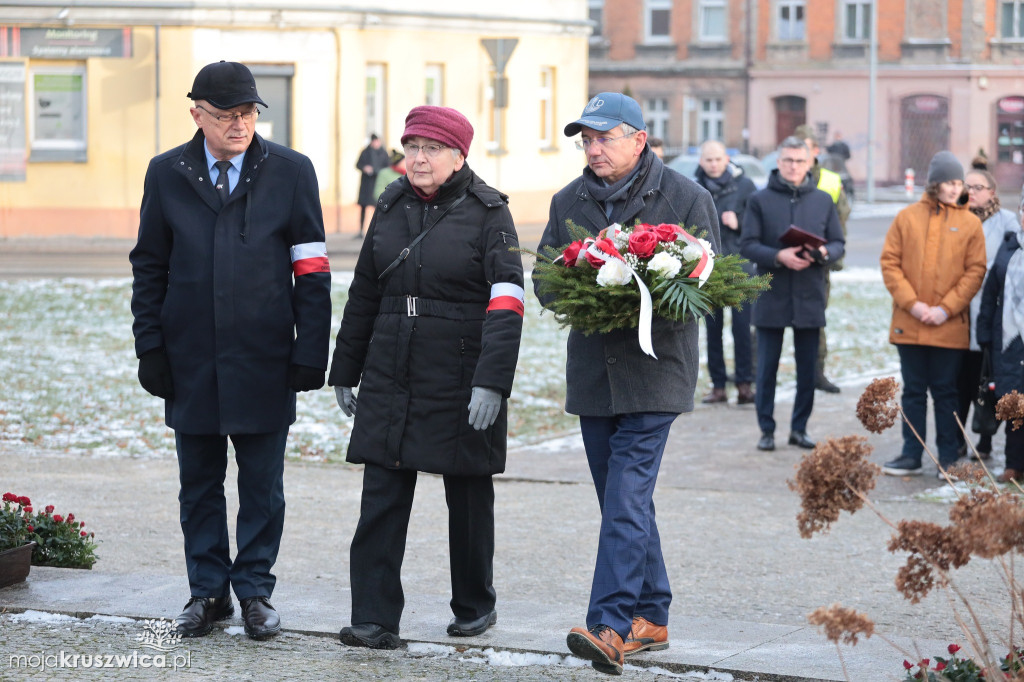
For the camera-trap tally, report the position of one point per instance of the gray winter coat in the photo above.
(608, 374)
(997, 225)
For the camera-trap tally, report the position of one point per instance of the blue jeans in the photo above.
(624, 453)
(924, 369)
(769, 351)
(715, 324)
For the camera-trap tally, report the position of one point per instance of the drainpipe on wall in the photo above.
(747, 64)
(156, 108)
(337, 129)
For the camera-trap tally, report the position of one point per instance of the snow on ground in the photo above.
(70, 384)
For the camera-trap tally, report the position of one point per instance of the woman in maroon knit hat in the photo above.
(430, 335)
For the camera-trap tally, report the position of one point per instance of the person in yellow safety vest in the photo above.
(830, 183)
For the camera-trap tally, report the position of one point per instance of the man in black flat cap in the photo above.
(231, 298)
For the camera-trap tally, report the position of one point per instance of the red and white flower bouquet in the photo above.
(622, 277)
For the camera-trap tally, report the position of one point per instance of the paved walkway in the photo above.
(743, 578)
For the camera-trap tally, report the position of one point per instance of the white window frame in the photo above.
(793, 6)
(433, 84)
(651, 6)
(1018, 10)
(73, 147)
(657, 116)
(376, 100)
(711, 118)
(861, 29)
(704, 8)
(546, 99)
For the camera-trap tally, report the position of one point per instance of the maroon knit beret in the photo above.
(439, 123)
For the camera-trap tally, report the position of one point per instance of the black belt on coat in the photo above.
(415, 306)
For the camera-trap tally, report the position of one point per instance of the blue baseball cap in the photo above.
(607, 110)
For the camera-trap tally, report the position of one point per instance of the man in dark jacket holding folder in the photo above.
(791, 230)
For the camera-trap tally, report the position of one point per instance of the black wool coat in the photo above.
(1007, 363)
(796, 298)
(215, 287)
(416, 373)
(730, 192)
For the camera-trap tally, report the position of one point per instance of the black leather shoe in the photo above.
(821, 383)
(369, 635)
(767, 441)
(201, 613)
(260, 617)
(801, 440)
(463, 627)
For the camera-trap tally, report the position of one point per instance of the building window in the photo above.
(657, 118)
(711, 20)
(596, 15)
(857, 20)
(546, 98)
(711, 120)
(434, 77)
(1012, 19)
(58, 119)
(375, 100)
(789, 20)
(657, 20)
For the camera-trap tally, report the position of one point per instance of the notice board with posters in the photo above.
(13, 138)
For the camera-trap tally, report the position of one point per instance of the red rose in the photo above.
(24, 501)
(953, 648)
(10, 497)
(571, 253)
(31, 528)
(83, 534)
(666, 232)
(940, 666)
(907, 664)
(58, 518)
(607, 246)
(28, 509)
(81, 524)
(71, 517)
(49, 509)
(642, 244)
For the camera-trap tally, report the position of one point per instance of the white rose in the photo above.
(707, 245)
(614, 272)
(664, 264)
(692, 252)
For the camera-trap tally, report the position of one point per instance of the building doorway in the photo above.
(790, 112)
(1009, 162)
(924, 130)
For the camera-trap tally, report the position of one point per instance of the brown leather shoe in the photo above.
(744, 394)
(600, 645)
(645, 636)
(1010, 475)
(717, 395)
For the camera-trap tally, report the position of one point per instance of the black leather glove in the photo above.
(155, 373)
(302, 378)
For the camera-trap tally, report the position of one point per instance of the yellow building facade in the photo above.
(90, 91)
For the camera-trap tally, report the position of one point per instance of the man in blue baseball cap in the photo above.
(625, 399)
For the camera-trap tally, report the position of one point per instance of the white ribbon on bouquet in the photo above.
(646, 305)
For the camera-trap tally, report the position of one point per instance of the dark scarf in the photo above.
(613, 197)
(716, 185)
(988, 210)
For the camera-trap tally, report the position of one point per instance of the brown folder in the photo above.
(794, 236)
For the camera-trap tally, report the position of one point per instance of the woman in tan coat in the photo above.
(933, 262)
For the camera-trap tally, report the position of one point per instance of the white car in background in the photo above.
(686, 164)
